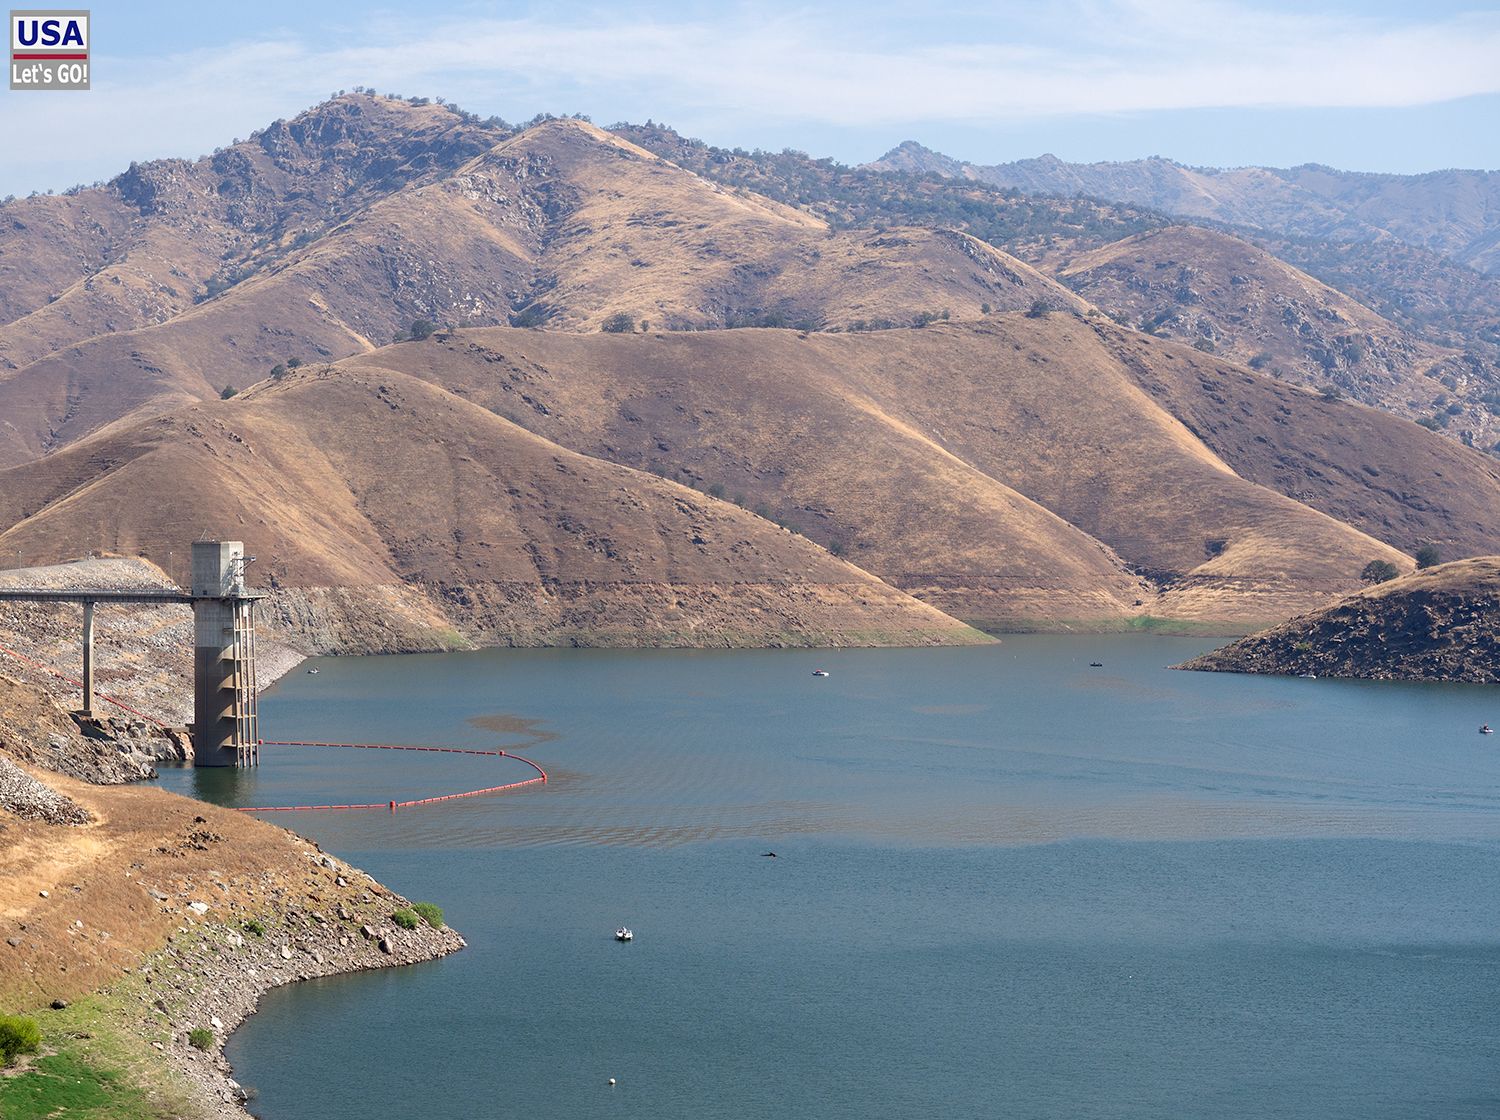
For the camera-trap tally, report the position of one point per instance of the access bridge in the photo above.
(225, 719)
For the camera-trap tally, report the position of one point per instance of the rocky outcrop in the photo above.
(29, 799)
(1442, 624)
(36, 731)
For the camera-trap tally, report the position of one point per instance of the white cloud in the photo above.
(1084, 57)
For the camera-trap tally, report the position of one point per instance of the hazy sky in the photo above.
(1379, 86)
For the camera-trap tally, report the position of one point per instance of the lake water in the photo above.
(1006, 885)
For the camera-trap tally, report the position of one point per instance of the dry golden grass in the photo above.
(369, 477)
(100, 875)
(1004, 471)
(1022, 471)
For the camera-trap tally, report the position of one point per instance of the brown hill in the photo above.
(142, 248)
(563, 224)
(1383, 475)
(1030, 470)
(443, 514)
(1228, 297)
(908, 451)
(1439, 625)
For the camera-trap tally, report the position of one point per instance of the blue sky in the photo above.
(1378, 86)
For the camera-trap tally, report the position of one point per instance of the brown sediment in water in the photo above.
(526, 731)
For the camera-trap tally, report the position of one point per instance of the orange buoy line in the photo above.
(392, 806)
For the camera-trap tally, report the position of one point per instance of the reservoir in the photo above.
(1006, 884)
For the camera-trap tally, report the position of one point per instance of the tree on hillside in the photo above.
(227, 392)
(1039, 309)
(618, 323)
(421, 329)
(1378, 571)
(1428, 556)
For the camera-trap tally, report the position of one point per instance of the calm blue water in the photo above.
(1007, 885)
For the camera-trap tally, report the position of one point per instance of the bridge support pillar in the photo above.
(88, 658)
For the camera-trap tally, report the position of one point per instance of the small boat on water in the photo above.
(820, 672)
(1308, 676)
(312, 672)
(1096, 664)
(624, 934)
(1486, 730)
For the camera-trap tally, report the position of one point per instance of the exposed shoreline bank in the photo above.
(132, 917)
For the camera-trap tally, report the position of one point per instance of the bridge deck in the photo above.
(112, 595)
(93, 595)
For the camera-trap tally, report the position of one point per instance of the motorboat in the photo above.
(1486, 730)
(820, 672)
(624, 934)
(1096, 664)
(312, 672)
(1308, 676)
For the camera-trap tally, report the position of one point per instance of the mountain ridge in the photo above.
(1460, 217)
(949, 432)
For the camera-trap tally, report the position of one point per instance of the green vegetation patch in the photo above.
(429, 912)
(18, 1035)
(406, 919)
(63, 1086)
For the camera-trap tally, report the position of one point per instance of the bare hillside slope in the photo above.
(377, 481)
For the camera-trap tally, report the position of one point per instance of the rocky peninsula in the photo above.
(1440, 624)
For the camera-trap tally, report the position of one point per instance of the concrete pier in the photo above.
(88, 657)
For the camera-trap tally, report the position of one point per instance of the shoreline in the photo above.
(132, 917)
(215, 974)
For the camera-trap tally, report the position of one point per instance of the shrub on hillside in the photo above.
(227, 392)
(1428, 555)
(529, 317)
(618, 323)
(18, 1035)
(429, 912)
(422, 329)
(1378, 571)
(200, 1038)
(405, 919)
